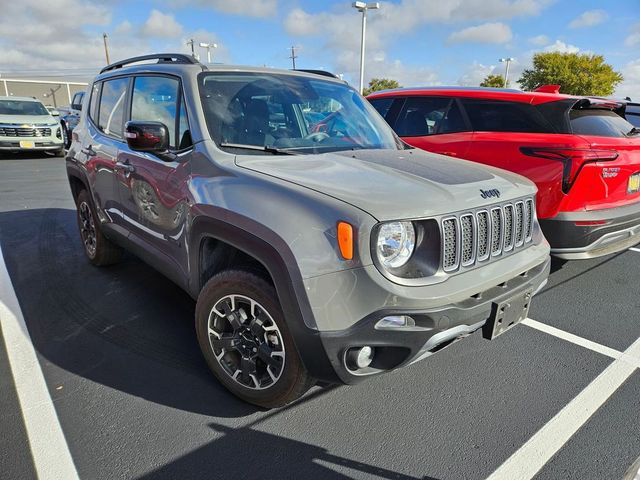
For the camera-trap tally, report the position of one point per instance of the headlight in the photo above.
(396, 242)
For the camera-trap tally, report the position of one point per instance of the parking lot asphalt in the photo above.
(134, 398)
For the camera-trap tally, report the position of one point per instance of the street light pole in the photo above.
(193, 53)
(362, 7)
(208, 46)
(506, 72)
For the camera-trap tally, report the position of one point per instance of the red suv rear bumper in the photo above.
(590, 234)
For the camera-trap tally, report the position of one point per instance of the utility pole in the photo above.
(293, 56)
(106, 48)
(506, 72)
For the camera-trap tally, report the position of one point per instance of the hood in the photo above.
(394, 184)
(28, 119)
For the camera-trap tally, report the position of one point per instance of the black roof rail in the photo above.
(324, 73)
(161, 57)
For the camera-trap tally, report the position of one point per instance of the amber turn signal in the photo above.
(345, 240)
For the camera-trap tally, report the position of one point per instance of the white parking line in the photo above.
(49, 449)
(633, 249)
(539, 449)
(570, 337)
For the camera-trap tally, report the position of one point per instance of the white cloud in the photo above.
(250, 8)
(124, 28)
(561, 47)
(630, 86)
(338, 30)
(634, 37)
(476, 73)
(590, 18)
(539, 40)
(486, 33)
(161, 25)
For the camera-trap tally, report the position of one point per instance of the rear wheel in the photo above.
(99, 249)
(246, 342)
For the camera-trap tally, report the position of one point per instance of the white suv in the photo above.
(26, 124)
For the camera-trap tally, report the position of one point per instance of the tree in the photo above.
(576, 73)
(495, 81)
(376, 84)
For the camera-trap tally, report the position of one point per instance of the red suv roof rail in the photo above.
(552, 88)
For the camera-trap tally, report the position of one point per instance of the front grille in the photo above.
(473, 237)
(25, 132)
(450, 237)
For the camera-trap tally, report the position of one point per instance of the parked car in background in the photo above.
(632, 113)
(25, 124)
(70, 116)
(330, 253)
(581, 152)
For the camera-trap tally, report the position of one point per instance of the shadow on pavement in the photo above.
(125, 326)
(246, 453)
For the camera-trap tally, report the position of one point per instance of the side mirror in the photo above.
(76, 106)
(152, 137)
(54, 113)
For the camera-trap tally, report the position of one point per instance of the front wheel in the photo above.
(246, 342)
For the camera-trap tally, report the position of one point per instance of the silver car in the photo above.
(26, 124)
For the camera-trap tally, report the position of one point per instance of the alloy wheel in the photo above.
(246, 342)
(87, 228)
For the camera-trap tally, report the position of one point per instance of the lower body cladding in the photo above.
(591, 234)
(396, 336)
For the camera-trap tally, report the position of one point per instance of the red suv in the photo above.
(581, 152)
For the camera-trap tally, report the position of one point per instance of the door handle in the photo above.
(89, 151)
(126, 167)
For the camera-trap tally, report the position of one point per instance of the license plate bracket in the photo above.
(507, 314)
(27, 144)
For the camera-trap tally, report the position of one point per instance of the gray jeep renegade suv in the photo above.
(317, 244)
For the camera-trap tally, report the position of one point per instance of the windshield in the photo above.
(292, 113)
(22, 107)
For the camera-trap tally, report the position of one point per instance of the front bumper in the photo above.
(569, 241)
(435, 328)
(39, 144)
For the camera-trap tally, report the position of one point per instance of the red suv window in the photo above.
(500, 116)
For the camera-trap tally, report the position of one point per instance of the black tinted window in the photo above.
(112, 100)
(497, 116)
(429, 116)
(603, 123)
(156, 99)
(382, 105)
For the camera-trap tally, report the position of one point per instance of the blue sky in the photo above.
(413, 41)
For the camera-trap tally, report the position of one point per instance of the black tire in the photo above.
(293, 379)
(99, 250)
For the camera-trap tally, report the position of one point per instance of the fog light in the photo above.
(395, 321)
(358, 358)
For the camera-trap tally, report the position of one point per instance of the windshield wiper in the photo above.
(258, 148)
(633, 131)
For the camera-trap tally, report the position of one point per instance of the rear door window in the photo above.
(422, 116)
(501, 116)
(112, 101)
(602, 123)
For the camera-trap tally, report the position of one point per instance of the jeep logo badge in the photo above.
(490, 193)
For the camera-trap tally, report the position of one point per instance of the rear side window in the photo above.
(602, 123)
(112, 100)
(634, 120)
(499, 116)
(382, 105)
(158, 99)
(429, 116)
(94, 102)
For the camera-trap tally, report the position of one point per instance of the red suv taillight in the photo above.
(572, 159)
